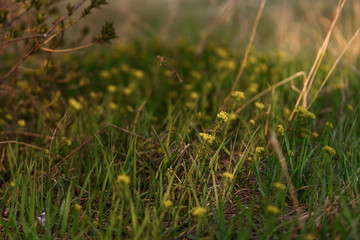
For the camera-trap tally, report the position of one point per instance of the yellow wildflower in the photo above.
(238, 96)
(207, 138)
(194, 95)
(75, 104)
(208, 85)
(259, 105)
(123, 179)
(280, 130)
(113, 106)
(105, 74)
(221, 52)
(252, 121)
(168, 203)
(309, 236)
(315, 134)
(272, 209)
(350, 107)
(329, 150)
(304, 113)
(68, 142)
(223, 117)
(233, 116)
(93, 94)
(77, 207)
(279, 186)
(167, 73)
(8, 117)
(112, 88)
(228, 176)
(198, 212)
(21, 123)
(259, 149)
(12, 184)
(329, 125)
(137, 73)
(127, 91)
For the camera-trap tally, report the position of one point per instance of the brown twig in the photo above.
(37, 47)
(21, 39)
(2, 169)
(247, 52)
(69, 49)
(166, 63)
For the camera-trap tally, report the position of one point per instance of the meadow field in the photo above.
(218, 119)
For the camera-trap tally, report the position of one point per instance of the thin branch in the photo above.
(69, 49)
(36, 47)
(21, 39)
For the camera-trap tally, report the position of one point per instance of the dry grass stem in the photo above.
(334, 66)
(247, 52)
(269, 89)
(320, 55)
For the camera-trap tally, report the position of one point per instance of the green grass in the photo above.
(147, 126)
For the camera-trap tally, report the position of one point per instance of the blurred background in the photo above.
(295, 27)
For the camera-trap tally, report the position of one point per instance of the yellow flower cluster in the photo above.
(329, 125)
(259, 149)
(315, 134)
(238, 96)
(279, 186)
(168, 203)
(112, 88)
(280, 130)
(77, 207)
(223, 116)
(259, 105)
(228, 176)
(123, 179)
(221, 52)
(137, 73)
(75, 104)
(226, 64)
(198, 212)
(272, 209)
(304, 113)
(22, 123)
(207, 138)
(329, 150)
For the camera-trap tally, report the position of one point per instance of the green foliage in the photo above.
(113, 144)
